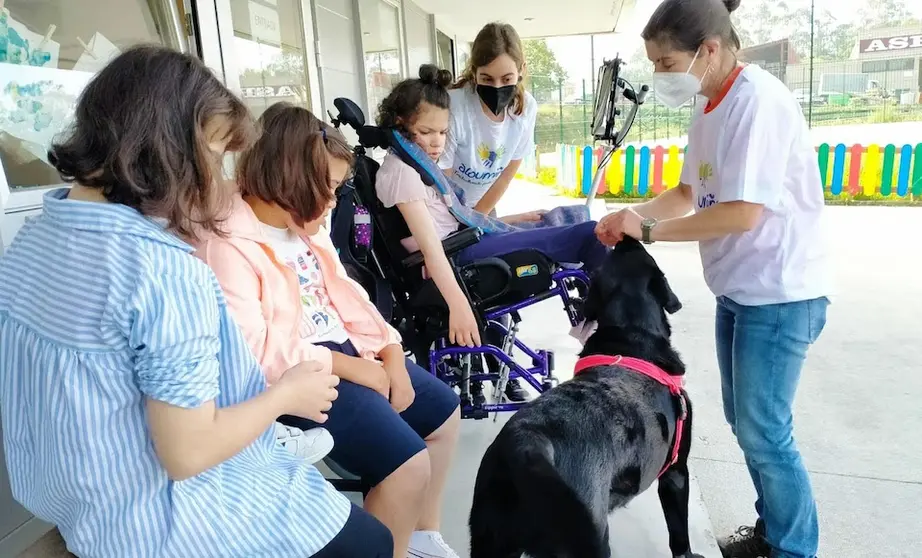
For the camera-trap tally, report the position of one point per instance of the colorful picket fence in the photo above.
(890, 170)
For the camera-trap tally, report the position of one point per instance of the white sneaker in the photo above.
(429, 544)
(313, 444)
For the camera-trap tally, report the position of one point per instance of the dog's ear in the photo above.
(659, 286)
(601, 287)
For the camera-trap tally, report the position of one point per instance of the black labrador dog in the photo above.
(549, 481)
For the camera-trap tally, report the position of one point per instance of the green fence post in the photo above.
(560, 106)
(585, 130)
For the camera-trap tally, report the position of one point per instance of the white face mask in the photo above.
(674, 89)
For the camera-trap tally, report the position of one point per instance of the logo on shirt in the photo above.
(489, 156)
(705, 198)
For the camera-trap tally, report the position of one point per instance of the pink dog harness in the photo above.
(674, 383)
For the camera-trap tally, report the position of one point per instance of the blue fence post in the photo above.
(587, 170)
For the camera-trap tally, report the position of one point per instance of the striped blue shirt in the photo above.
(101, 308)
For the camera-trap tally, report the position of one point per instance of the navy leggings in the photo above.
(570, 244)
(362, 536)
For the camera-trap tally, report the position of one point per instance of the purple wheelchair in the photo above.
(368, 236)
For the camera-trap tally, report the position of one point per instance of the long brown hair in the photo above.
(494, 40)
(288, 164)
(139, 136)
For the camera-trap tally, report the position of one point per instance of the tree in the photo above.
(544, 72)
(885, 13)
(763, 21)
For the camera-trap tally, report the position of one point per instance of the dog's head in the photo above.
(629, 291)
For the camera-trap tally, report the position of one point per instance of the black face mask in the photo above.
(496, 98)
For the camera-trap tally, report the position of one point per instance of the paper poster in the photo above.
(36, 104)
(19, 45)
(96, 54)
(264, 24)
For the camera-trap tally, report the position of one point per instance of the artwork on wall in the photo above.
(36, 104)
(19, 45)
(98, 52)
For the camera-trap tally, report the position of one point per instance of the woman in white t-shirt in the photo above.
(492, 125)
(750, 176)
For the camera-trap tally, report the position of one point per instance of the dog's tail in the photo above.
(564, 523)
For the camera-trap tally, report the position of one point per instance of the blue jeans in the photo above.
(761, 352)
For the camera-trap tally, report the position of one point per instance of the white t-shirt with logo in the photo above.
(754, 146)
(479, 149)
(320, 322)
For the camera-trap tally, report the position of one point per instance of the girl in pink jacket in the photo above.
(394, 424)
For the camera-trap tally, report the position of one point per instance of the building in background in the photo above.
(884, 67)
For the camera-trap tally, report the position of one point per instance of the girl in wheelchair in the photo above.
(394, 424)
(419, 108)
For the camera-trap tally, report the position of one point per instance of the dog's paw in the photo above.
(689, 554)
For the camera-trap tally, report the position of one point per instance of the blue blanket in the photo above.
(453, 195)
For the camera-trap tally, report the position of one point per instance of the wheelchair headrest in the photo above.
(373, 136)
(349, 113)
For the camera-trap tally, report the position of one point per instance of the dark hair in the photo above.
(494, 40)
(399, 109)
(686, 24)
(288, 164)
(139, 135)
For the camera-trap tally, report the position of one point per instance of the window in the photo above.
(891, 65)
(52, 49)
(446, 53)
(270, 52)
(902, 64)
(381, 42)
(872, 66)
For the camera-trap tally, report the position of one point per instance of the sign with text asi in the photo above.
(887, 44)
(269, 91)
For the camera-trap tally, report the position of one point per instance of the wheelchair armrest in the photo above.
(452, 244)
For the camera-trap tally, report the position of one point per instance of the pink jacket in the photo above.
(264, 297)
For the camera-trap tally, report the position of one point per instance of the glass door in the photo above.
(48, 52)
(380, 23)
(266, 58)
(446, 52)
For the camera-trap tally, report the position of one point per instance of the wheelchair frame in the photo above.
(452, 364)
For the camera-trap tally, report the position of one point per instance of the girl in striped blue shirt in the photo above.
(135, 417)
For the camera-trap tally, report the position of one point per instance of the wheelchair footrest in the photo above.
(476, 413)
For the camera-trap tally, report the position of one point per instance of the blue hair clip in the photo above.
(323, 132)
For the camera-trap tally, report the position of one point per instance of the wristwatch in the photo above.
(646, 226)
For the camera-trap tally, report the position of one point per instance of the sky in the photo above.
(573, 52)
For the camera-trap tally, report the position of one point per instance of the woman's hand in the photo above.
(529, 217)
(462, 326)
(613, 227)
(309, 392)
